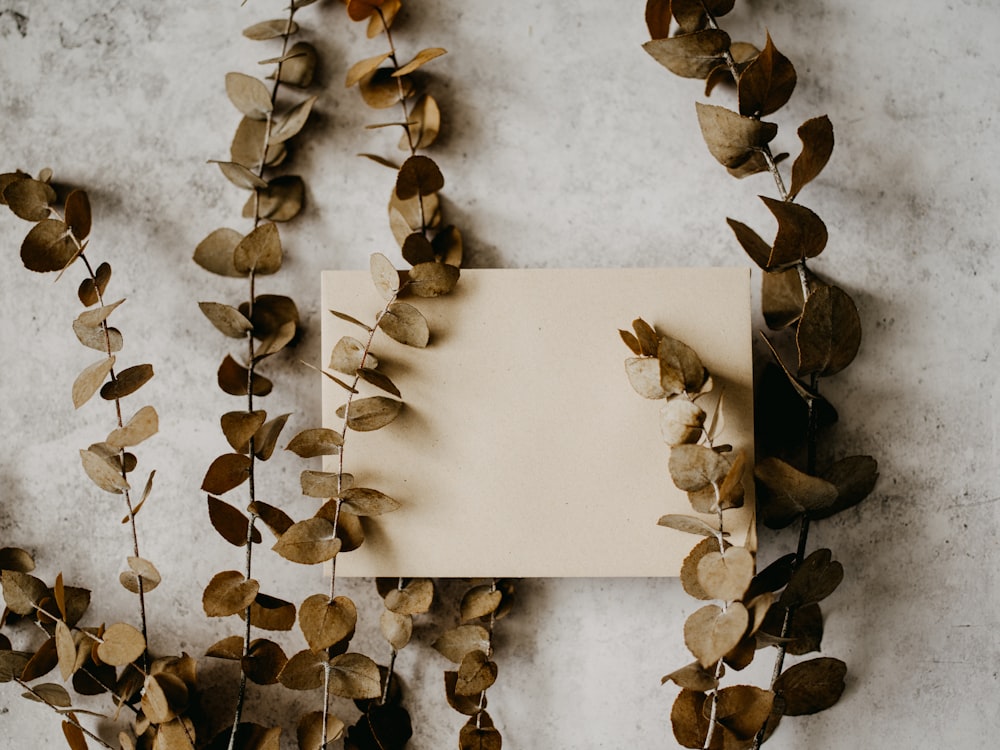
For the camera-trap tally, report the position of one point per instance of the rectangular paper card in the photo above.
(522, 449)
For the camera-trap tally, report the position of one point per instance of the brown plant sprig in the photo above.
(160, 694)
(266, 324)
(821, 320)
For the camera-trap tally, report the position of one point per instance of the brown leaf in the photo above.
(309, 731)
(689, 567)
(384, 276)
(781, 298)
(406, 217)
(121, 644)
(359, 10)
(784, 492)
(630, 341)
(362, 501)
(711, 632)
(419, 176)
(423, 57)
(801, 233)
(726, 575)
(228, 593)
(143, 425)
(276, 519)
(766, 84)
(75, 737)
(308, 542)
(691, 14)
(298, 65)
(425, 119)
(12, 664)
(228, 471)
(140, 568)
(16, 559)
(231, 524)
(692, 55)
(349, 531)
(230, 648)
(695, 467)
(681, 370)
(644, 377)
(233, 379)
(247, 147)
(396, 628)
(215, 252)
(731, 138)
(44, 660)
(432, 279)
(415, 598)
(355, 676)
(90, 380)
(689, 525)
(276, 27)
(249, 95)
(379, 380)
(240, 175)
(318, 441)
(164, 696)
(681, 421)
(349, 355)
(658, 17)
(731, 491)
(324, 484)
(829, 333)
(811, 686)
(688, 720)
(371, 413)
(854, 477)
(227, 319)
(454, 644)
(127, 382)
(751, 242)
(693, 677)
(260, 251)
(240, 426)
(479, 601)
(304, 671)
(743, 709)
(479, 734)
(105, 474)
(475, 674)
(815, 579)
(264, 662)
(51, 694)
(266, 438)
(48, 246)
(380, 90)
(281, 200)
(817, 146)
(327, 623)
(77, 214)
(351, 319)
(270, 613)
(99, 338)
(29, 199)
(289, 124)
(91, 289)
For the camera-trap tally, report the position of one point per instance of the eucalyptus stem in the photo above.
(66, 716)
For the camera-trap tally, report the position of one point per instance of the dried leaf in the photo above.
(348, 356)
(260, 251)
(16, 559)
(743, 709)
(692, 55)
(479, 601)
(829, 333)
(308, 542)
(817, 146)
(127, 382)
(140, 568)
(91, 289)
(227, 319)
(12, 664)
(425, 118)
(464, 704)
(215, 252)
(396, 628)
(309, 731)
(689, 524)
(231, 524)
(681, 370)
(298, 65)
(766, 84)
(234, 378)
(276, 27)
(658, 17)
(355, 676)
(359, 10)
(726, 575)
(75, 737)
(349, 531)
(29, 199)
(143, 425)
(693, 677)
(271, 613)
(164, 696)
(247, 149)
(811, 686)
(380, 90)
(448, 244)
(266, 438)
(854, 477)
(240, 175)
(77, 214)
(432, 279)
(324, 484)
(240, 426)
(51, 694)
(264, 662)
(644, 376)
(630, 341)
(478, 735)
(475, 674)
(103, 473)
(362, 501)
(42, 662)
(784, 492)
(815, 579)
(327, 623)
(731, 138)
(290, 123)
(454, 644)
(695, 467)
(249, 95)
(90, 380)
(371, 413)
(801, 233)
(711, 632)
(303, 671)
(228, 593)
(48, 246)
(121, 644)
(281, 200)
(691, 14)
(384, 276)
(781, 298)
(415, 598)
(417, 214)
(364, 68)
(227, 472)
(419, 176)
(423, 57)
(751, 242)
(377, 379)
(275, 518)
(689, 567)
(318, 441)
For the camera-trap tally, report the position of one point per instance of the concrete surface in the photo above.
(565, 145)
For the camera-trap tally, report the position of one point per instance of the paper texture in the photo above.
(522, 450)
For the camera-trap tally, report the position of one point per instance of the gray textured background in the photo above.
(566, 145)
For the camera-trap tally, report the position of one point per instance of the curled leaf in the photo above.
(731, 138)
(829, 333)
(817, 146)
(692, 55)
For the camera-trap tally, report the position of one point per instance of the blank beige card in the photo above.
(522, 450)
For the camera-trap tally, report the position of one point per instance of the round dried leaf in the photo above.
(304, 671)
(784, 492)
(215, 252)
(432, 279)
(264, 662)
(766, 83)
(743, 709)
(228, 593)
(479, 601)
(692, 55)
(271, 613)
(426, 119)
(309, 542)
(140, 568)
(29, 199)
(816, 578)
(247, 147)
(829, 333)
(121, 644)
(474, 737)
(227, 319)
(693, 677)
(695, 467)
(801, 233)
(689, 568)
(326, 623)
(644, 376)
(309, 731)
(290, 123)
(355, 676)
(811, 686)
(77, 214)
(260, 251)
(384, 276)
(349, 355)
(364, 68)
(249, 95)
(731, 138)
(240, 426)
(231, 524)
(454, 644)
(726, 575)
(711, 632)
(164, 696)
(404, 323)
(681, 370)
(48, 246)
(319, 441)
(143, 425)
(298, 66)
(16, 559)
(127, 382)
(102, 472)
(233, 378)
(396, 628)
(228, 471)
(51, 694)
(266, 438)
(414, 598)
(681, 421)
(380, 90)
(418, 176)
(475, 674)
(689, 525)
(281, 200)
(371, 413)
(240, 175)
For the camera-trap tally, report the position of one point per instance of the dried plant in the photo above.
(266, 324)
(158, 694)
(824, 328)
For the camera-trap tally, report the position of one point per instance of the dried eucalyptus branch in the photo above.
(822, 318)
(260, 144)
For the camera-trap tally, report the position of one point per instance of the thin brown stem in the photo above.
(66, 716)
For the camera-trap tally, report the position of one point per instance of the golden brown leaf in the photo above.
(477, 734)
(247, 147)
(48, 246)
(380, 90)
(396, 628)
(228, 593)
(77, 214)
(226, 319)
(432, 279)
(692, 55)
(766, 84)
(303, 671)
(379, 380)
(44, 660)
(240, 175)
(318, 441)
(324, 484)
(811, 686)
(272, 29)
(215, 252)
(127, 382)
(693, 677)
(359, 10)
(29, 199)
(249, 95)
(364, 68)
(121, 644)
(270, 613)
(75, 737)
(231, 524)
(454, 644)
(371, 413)
(801, 233)
(726, 575)
(143, 425)
(414, 598)
(264, 662)
(419, 176)
(309, 731)
(475, 674)
(298, 65)
(681, 370)
(233, 379)
(689, 567)
(90, 380)
(164, 696)
(289, 124)
(226, 472)
(423, 57)
(425, 119)
(362, 501)
(695, 467)
(260, 251)
(266, 438)
(731, 138)
(689, 525)
(230, 648)
(355, 676)
(658, 17)
(711, 632)
(743, 709)
(240, 426)
(327, 623)
(91, 289)
(817, 145)
(51, 694)
(275, 518)
(140, 568)
(479, 601)
(103, 473)
(308, 542)
(348, 356)
(829, 333)
(281, 200)
(16, 559)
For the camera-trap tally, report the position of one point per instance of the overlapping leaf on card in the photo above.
(782, 298)
(690, 55)
(324, 484)
(309, 542)
(726, 575)
(384, 275)
(349, 355)
(404, 323)
(364, 501)
(368, 414)
(689, 567)
(681, 421)
(432, 279)
(695, 467)
(690, 525)
(681, 370)
(379, 380)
